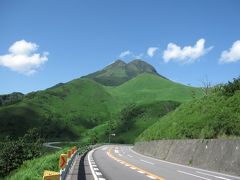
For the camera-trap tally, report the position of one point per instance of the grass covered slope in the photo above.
(66, 109)
(146, 88)
(213, 116)
(134, 119)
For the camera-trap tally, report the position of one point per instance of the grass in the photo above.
(213, 116)
(147, 88)
(139, 118)
(33, 169)
(64, 111)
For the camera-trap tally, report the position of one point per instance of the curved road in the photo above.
(118, 162)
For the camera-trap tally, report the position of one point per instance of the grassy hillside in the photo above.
(213, 116)
(135, 119)
(83, 107)
(62, 111)
(147, 88)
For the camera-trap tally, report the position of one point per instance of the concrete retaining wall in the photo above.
(217, 155)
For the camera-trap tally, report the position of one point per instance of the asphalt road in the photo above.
(51, 145)
(118, 162)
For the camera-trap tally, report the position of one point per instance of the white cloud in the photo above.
(151, 51)
(125, 53)
(187, 54)
(232, 55)
(22, 57)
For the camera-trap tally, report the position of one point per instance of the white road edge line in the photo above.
(89, 162)
(147, 162)
(193, 175)
(219, 177)
(183, 165)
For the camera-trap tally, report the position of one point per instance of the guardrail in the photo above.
(65, 164)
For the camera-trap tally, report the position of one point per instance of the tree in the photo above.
(206, 86)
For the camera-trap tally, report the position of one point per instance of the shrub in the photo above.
(14, 152)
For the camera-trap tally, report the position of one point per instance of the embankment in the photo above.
(212, 154)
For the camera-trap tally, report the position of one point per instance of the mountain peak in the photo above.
(119, 61)
(119, 72)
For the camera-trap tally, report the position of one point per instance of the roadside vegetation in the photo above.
(216, 115)
(33, 169)
(15, 152)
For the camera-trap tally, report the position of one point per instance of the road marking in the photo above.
(141, 172)
(147, 162)
(151, 177)
(219, 177)
(92, 165)
(180, 165)
(119, 154)
(129, 156)
(116, 151)
(132, 166)
(193, 175)
(98, 173)
(91, 168)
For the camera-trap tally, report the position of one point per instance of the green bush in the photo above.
(230, 88)
(14, 152)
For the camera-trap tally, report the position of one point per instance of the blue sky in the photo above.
(44, 42)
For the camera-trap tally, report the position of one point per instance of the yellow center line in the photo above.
(132, 166)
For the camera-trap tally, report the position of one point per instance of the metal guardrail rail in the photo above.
(64, 172)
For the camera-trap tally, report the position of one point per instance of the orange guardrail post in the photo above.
(69, 153)
(72, 150)
(75, 148)
(63, 161)
(51, 175)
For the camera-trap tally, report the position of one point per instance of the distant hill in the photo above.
(63, 111)
(120, 72)
(10, 98)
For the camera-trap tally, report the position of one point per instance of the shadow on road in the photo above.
(81, 168)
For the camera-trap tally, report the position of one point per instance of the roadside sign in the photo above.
(63, 161)
(51, 175)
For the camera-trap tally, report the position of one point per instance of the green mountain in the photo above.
(12, 98)
(216, 115)
(85, 109)
(120, 72)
